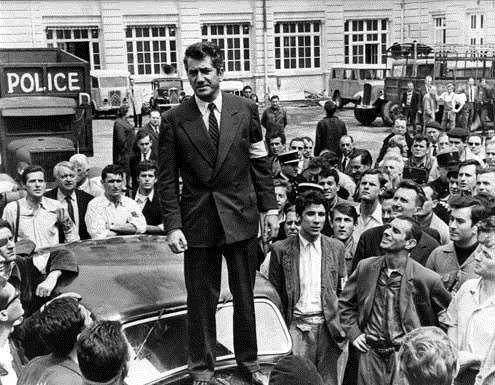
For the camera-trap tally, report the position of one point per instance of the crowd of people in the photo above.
(385, 267)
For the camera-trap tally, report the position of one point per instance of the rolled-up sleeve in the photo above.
(136, 217)
(95, 221)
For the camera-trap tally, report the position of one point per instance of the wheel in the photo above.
(365, 114)
(389, 111)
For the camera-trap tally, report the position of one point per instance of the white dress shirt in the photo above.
(142, 199)
(309, 277)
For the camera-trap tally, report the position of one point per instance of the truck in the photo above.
(108, 91)
(45, 108)
(167, 93)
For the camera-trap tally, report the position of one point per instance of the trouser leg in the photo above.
(374, 370)
(241, 260)
(202, 271)
(330, 359)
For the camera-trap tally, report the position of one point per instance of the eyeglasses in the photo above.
(474, 144)
(16, 296)
(297, 148)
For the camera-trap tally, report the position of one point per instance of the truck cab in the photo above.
(45, 112)
(108, 91)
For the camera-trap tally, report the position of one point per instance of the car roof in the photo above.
(109, 73)
(126, 278)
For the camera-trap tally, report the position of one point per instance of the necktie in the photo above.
(213, 126)
(344, 163)
(70, 208)
(434, 150)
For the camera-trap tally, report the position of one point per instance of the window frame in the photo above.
(365, 38)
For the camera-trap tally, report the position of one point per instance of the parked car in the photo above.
(140, 282)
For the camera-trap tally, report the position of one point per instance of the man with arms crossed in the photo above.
(214, 140)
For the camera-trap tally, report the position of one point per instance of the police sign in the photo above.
(32, 81)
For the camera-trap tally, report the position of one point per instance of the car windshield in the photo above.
(160, 346)
(113, 81)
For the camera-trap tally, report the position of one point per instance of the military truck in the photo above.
(45, 108)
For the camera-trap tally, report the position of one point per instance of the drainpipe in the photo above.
(402, 14)
(265, 50)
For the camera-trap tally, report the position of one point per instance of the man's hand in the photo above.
(46, 287)
(177, 241)
(360, 343)
(272, 225)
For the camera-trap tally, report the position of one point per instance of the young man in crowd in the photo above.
(114, 213)
(59, 323)
(308, 151)
(485, 181)
(387, 200)
(329, 130)
(455, 261)
(427, 218)
(344, 220)
(274, 118)
(146, 197)
(74, 201)
(276, 147)
(471, 313)
(379, 304)
(467, 177)
(143, 151)
(420, 157)
(311, 309)
(369, 210)
(153, 130)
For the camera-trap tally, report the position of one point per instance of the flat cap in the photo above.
(434, 124)
(458, 132)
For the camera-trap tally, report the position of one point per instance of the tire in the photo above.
(365, 114)
(389, 111)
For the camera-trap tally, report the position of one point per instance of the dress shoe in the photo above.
(259, 378)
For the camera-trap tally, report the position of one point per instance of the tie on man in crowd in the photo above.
(89, 185)
(143, 151)
(379, 304)
(455, 261)
(153, 129)
(147, 197)
(432, 132)
(410, 103)
(346, 146)
(307, 152)
(274, 118)
(428, 356)
(471, 313)
(329, 130)
(74, 201)
(408, 200)
(308, 272)
(214, 141)
(113, 213)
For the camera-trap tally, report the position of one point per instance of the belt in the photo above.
(316, 319)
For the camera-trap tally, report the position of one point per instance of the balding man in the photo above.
(89, 185)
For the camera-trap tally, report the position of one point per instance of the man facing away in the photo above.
(214, 141)
(329, 130)
(308, 272)
(381, 302)
(274, 118)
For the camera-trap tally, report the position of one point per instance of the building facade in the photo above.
(277, 46)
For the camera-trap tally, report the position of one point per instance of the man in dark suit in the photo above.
(410, 103)
(147, 198)
(408, 200)
(74, 200)
(329, 130)
(143, 150)
(386, 297)
(214, 141)
(309, 291)
(153, 129)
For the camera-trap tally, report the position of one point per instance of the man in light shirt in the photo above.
(113, 213)
(89, 185)
(298, 265)
(147, 199)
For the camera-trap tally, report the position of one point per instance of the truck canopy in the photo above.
(36, 106)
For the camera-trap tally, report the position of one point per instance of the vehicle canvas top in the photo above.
(125, 277)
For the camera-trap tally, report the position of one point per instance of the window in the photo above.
(149, 48)
(297, 45)
(476, 32)
(80, 41)
(439, 30)
(233, 40)
(365, 41)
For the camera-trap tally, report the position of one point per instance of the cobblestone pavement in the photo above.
(302, 122)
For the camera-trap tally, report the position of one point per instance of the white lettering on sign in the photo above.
(28, 82)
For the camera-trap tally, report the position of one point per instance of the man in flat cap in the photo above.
(432, 132)
(447, 160)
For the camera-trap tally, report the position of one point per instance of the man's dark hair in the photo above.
(366, 159)
(296, 139)
(414, 231)
(486, 170)
(387, 194)
(378, 173)
(246, 87)
(330, 108)
(486, 225)
(326, 172)
(478, 211)
(307, 138)
(141, 134)
(277, 135)
(307, 199)
(277, 182)
(470, 162)
(102, 352)
(199, 51)
(329, 157)
(30, 169)
(59, 324)
(5, 225)
(421, 138)
(289, 207)
(345, 209)
(122, 111)
(146, 165)
(274, 97)
(412, 185)
(112, 169)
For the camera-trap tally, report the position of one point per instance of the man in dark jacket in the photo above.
(386, 297)
(410, 103)
(329, 131)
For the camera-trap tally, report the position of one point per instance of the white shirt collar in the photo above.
(142, 197)
(61, 196)
(203, 106)
(305, 242)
